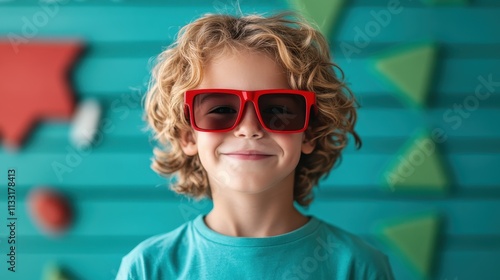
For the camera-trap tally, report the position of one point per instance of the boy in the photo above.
(253, 115)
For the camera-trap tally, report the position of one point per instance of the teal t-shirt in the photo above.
(316, 250)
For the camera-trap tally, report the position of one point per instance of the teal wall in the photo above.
(119, 201)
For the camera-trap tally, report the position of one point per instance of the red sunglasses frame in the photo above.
(249, 96)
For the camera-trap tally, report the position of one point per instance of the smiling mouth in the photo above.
(248, 156)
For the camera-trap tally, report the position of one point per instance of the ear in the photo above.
(188, 142)
(307, 145)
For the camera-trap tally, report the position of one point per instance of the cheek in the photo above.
(292, 145)
(207, 146)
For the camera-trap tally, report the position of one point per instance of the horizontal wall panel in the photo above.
(341, 49)
(97, 23)
(446, 25)
(150, 49)
(76, 245)
(452, 265)
(109, 169)
(171, 3)
(460, 217)
(112, 23)
(131, 217)
(470, 4)
(468, 265)
(45, 144)
(78, 266)
(130, 49)
(124, 121)
(323, 192)
(105, 76)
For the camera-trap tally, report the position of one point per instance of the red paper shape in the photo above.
(34, 86)
(50, 209)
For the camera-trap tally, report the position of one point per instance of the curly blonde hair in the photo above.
(300, 50)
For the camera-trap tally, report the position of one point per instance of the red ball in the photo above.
(50, 210)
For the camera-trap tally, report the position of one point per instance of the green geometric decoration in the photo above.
(418, 167)
(324, 13)
(446, 2)
(54, 272)
(409, 71)
(414, 239)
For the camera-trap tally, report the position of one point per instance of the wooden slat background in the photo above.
(119, 201)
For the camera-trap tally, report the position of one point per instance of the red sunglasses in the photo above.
(221, 110)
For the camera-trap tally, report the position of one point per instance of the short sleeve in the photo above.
(383, 270)
(131, 268)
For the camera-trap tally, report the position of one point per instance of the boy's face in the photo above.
(247, 159)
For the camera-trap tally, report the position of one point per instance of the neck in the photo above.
(263, 214)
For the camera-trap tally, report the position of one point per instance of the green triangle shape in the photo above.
(324, 13)
(418, 167)
(410, 71)
(445, 2)
(54, 272)
(415, 238)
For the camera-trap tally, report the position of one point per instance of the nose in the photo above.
(249, 126)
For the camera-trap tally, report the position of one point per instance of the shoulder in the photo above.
(349, 243)
(142, 261)
(163, 242)
(360, 257)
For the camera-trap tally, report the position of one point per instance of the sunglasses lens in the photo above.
(282, 111)
(215, 111)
